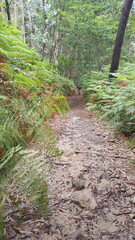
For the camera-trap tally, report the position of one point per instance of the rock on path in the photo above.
(92, 189)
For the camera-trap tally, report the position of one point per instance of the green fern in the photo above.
(31, 92)
(114, 100)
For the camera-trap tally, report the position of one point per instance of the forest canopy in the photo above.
(77, 36)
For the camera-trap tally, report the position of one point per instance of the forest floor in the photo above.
(92, 187)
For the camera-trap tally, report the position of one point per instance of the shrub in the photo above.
(114, 100)
(31, 94)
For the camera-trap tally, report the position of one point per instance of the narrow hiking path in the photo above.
(92, 188)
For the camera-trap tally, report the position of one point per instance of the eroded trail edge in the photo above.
(92, 188)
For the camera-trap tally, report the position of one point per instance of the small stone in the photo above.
(132, 216)
(116, 176)
(98, 134)
(108, 226)
(133, 150)
(46, 237)
(123, 189)
(84, 199)
(69, 153)
(105, 185)
(115, 211)
(78, 183)
(80, 237)
(133, 200)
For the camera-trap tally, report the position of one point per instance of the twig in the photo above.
(62, 163)
(80, 211)
(99, 205)
(77, 152)
(70, 193)
(57, 203)
(122, 213)
(118, 156)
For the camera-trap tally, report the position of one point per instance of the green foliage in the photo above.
(65, 64)
(31, 93)
(22, 66)
(29, 175)
(79, 35)
(86, 33)
(115, 100)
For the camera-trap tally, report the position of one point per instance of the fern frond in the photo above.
(114, 100)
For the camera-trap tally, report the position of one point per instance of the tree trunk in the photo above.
(30, 24)
(44, 2)
(120, 36)
(8, 10)
(54, 48)
(43, 51)
(22, 20)
(15, 15)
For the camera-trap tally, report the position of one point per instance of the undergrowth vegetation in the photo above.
(31, 93)
(113, 99)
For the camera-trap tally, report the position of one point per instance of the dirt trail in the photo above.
(92, 190)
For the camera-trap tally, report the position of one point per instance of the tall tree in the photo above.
(120, 36)
(15, 14)
(44, 2)
(31, 27)
(8, 10)
(22, 20)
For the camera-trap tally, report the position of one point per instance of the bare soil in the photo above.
(92, 187)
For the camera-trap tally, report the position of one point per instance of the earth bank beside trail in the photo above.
(92, 189)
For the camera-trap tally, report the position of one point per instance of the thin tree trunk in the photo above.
(55, 53)
(51, 54)
(44, 2)
(23, 24)
(54, 48)
(8, 10)
(43, 51)
(30, 23)
(15, 15)
(120, 36)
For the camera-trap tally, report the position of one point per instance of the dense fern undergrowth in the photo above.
(114, 99)
(31, 92)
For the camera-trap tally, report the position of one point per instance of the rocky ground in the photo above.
(92, 187)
